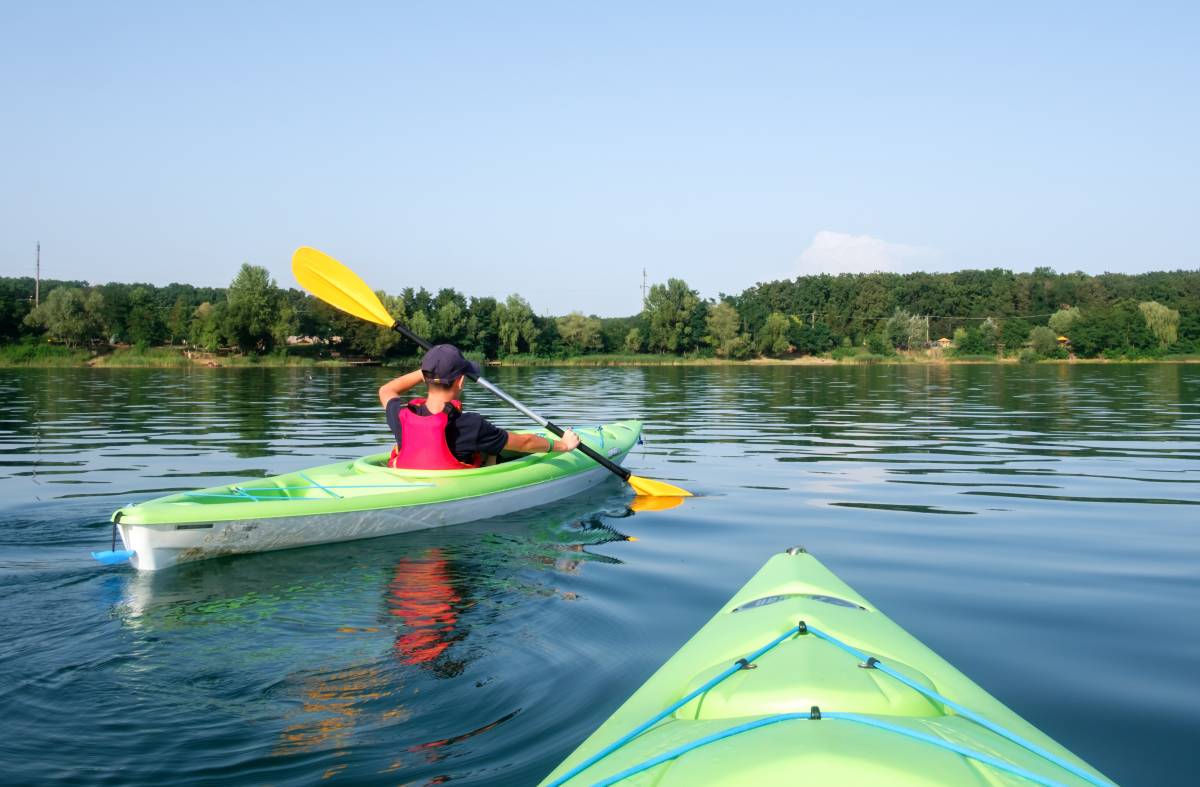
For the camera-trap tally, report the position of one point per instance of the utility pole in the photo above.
(643, 288)
(37, 277)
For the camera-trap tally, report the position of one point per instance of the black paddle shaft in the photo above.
(587, 450)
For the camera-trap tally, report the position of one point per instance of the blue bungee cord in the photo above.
(816, 715)
(740, 664)
(867, 662)
(871, 662)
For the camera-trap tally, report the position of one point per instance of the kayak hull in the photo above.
(807, 710)
(355, 500)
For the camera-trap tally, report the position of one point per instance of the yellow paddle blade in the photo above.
(652, 488)
(647, 503)
(337, 285)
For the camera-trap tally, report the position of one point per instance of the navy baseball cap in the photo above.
(444, 363)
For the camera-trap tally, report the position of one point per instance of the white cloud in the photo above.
(840, 252)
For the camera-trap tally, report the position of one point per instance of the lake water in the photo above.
(1039, 527)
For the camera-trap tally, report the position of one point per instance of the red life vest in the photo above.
(423, 445)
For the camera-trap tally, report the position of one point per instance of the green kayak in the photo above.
(800, 680)
(350, 500)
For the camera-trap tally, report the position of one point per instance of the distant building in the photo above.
(943, 342)
(1063, 341)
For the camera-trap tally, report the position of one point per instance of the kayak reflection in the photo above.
(335, 646)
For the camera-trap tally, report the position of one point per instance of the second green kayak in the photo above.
(800, 680)
(363, 498)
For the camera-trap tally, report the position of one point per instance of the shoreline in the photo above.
(162, 358)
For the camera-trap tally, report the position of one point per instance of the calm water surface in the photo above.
(1039, 527)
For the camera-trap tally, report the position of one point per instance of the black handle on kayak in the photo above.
(583, 447)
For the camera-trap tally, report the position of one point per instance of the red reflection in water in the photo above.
(421, 595)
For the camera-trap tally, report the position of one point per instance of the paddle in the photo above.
(340, 287)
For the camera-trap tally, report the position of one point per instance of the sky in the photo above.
(557, 150)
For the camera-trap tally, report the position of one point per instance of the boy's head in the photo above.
(444, 369)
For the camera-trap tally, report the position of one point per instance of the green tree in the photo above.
(1062, 320)
(1117, 330)
(252, 309)
(116, 310)
(517, 329)
(976, 340)
(287, 323)
(1014, 332)
(633, 341)
(205, 328)
(70, 315)
(420, 324)
(178, 321)
(579, 333)
(723, 322)
(1162, 322)
(989, 333)
(1044, 341)
(672, 310)
(896, 329)
(906, 331)
(145, 326)
(16, 301)
(483, 326)
(741, 348)
(811, 339)
(449, 323)
(773, 336)
(878, 343)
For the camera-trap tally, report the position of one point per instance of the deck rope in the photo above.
(740, 664)
(1016, 770)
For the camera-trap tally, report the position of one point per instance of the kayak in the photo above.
(363, 498)
(800, 680)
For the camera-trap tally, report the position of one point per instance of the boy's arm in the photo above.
(397, 387)
(531, 443)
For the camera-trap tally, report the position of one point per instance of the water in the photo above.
(1037, 526)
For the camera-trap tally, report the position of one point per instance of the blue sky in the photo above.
(556, 149)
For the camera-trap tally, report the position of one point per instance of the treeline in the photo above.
(983, 312)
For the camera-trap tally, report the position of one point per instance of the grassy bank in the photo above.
(42, 355)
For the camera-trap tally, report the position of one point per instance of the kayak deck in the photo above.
(800, 679)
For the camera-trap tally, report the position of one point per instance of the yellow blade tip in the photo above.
(652, 488)
(648, 503)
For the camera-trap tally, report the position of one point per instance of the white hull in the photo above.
(161, 546)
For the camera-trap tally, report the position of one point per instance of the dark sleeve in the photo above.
(476, 434)
(392, 412)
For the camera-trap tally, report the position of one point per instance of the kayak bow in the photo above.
(799, 679)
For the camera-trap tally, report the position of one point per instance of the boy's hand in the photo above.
(568, 442)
